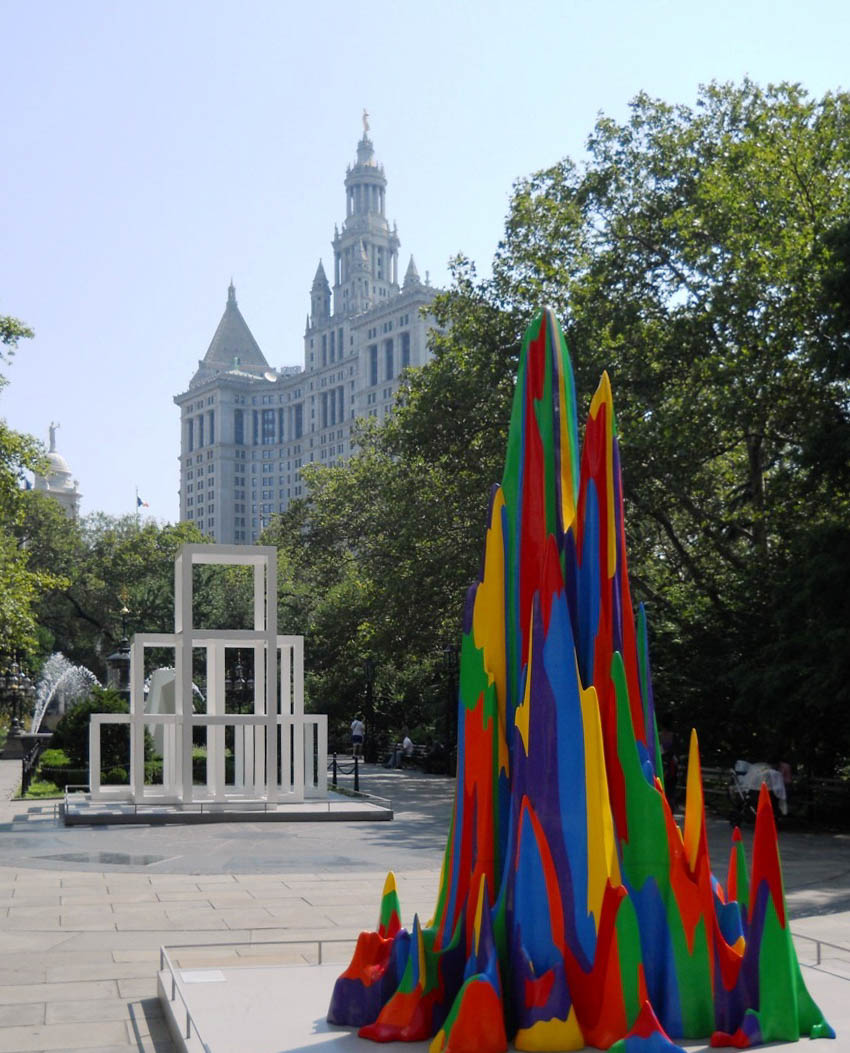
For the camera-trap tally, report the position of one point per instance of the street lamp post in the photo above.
(16, 688)
(237, 685)
(118, 663)
(16, 691)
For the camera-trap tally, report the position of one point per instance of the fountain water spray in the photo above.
(63, 682)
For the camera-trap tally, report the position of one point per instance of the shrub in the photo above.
(153, 771)
(54, 758)
(72, 732)
(64, 776)
(199, 765)
(40, 788)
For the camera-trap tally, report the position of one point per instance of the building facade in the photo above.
(247, 429)
(57, 483)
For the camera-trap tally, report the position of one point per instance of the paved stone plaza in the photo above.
(83, 912)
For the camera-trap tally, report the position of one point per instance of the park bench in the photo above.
(416, 759)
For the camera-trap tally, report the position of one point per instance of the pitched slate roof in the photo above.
(233, 339)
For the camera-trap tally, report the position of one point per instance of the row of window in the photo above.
(269, 427)
(389, 359)
(269, 400)
(332, 407)
(334, 378)
(199, 458)
(200, 431)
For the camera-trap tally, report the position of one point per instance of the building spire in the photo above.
(365, 148)
(411, 277)
(232, 339)
(320, 299)
(365, 265)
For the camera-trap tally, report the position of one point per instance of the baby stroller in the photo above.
(743, 802)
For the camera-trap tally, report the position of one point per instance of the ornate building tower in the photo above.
(248, 429)
(58, 483)
(366, 252)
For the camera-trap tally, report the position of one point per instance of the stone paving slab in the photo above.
(21, 1015)
(62, 1037)
(76, 1012)
(68, 990)
(84, 912)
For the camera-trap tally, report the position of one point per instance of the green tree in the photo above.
(72, 734)
(109, 562)
(702, 256)
(363, 579)
(20, 583)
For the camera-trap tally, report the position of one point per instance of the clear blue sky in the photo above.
(150, 150)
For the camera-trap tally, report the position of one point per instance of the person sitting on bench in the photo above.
(403, 749)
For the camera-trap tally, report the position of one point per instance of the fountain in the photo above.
(60, 685)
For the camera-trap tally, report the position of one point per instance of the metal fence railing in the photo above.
(838, 962)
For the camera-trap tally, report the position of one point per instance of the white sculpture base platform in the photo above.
(281, 1009)
(271, 1008)
(80, 809)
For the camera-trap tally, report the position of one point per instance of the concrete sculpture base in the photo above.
(81, 810)
(276, 1008)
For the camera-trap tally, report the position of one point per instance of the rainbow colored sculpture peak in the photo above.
(572, 909)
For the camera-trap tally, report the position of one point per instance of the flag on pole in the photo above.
(140, 503)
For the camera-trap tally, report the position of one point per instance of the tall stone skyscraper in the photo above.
(248, 429)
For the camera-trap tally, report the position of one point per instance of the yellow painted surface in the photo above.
(602, 846)
(522, 712)
(438, 1042)
(569, 485)
(603, 396)
(488, 618)
(693, 803)
(551, 1035)
(479, 912)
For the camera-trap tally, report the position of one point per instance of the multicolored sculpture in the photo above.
(572, 909)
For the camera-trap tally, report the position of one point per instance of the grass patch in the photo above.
(39, 789)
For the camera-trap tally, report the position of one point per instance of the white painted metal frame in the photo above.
(278, 728)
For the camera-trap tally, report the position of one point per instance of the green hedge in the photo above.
(55, 766)
(64, 776)
(72, 732)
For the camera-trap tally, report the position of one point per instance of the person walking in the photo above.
(358, 731)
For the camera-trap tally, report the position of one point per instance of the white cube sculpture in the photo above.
(276, 737)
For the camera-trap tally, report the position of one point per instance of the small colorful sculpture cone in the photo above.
(607, 927)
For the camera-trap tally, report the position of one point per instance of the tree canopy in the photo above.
(20, 582)
(702, 256)
(107, 563)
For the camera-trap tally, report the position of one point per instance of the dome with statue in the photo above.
(58, 482)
